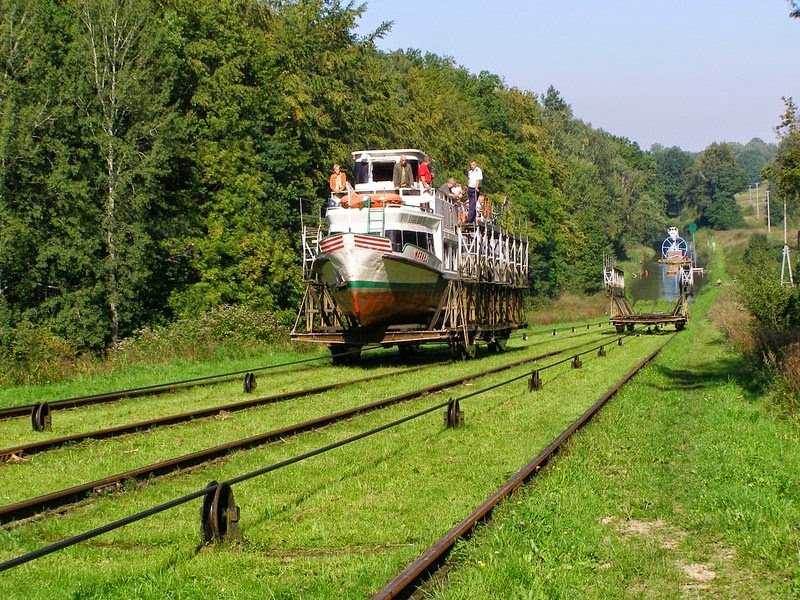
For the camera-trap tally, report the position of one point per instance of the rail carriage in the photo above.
(395, 266)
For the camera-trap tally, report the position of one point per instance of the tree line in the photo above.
(153, 154)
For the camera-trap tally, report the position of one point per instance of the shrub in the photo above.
(32, 354)
(225, 329)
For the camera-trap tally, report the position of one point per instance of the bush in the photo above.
(223, 330)
(32, 354)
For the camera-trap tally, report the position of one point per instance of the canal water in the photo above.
(655, 281)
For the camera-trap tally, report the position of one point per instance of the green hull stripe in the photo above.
(359, 285)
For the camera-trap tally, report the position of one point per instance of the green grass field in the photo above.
(339, 524)
(684, 486)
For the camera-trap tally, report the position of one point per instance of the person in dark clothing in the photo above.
(361, 169)
(474, 181)
(402, 175)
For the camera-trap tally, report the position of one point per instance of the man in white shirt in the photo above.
(474, 181)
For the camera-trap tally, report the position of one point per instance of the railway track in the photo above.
(61, 498)
(19, 450)
(155, 389)
(109, 432)
(25, 410)
(218, 496)
(429, 562)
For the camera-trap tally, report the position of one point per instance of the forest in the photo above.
(153, 155)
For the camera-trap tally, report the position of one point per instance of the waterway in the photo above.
(655, 281)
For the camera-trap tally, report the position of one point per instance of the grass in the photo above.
(685, 485)
(141, 375)
(569, 309)
(337, 525)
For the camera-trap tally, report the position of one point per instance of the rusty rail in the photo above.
(71, 495)
(404, 584)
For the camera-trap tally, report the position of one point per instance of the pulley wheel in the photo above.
(250, 382)
(219, 513)
(41, 420)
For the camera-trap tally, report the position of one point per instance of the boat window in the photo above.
(400, 238)
(382, 171)
(396, 237)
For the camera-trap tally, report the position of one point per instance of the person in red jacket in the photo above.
(424, 173)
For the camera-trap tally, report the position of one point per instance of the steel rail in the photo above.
(44, 445)
(32, 506)
(526, 331)
(157, 388)
(57, 442)
(66, 543)
(404, 584)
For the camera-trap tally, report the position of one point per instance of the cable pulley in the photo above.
(41, 419)
(219, 514)
(250, 382)
(535, 382)
(453, 415)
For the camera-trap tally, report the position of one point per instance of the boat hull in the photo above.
(376, 287)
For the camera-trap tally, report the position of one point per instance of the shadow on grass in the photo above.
(726, 370)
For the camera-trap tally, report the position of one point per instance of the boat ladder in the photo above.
(376, 220)
(311, 238)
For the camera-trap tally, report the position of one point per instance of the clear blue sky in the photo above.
(677, 72)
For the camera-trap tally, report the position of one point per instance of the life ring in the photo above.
(385, 199)
(352, 200)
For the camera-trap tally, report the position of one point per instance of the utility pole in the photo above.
(769, 226)
(786, 262)
(757, 202)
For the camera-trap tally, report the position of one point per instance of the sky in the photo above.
(674, 72)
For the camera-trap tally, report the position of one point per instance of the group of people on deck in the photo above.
(403, 177)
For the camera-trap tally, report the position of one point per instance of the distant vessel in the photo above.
(674, 249)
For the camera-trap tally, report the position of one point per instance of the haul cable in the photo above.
(87, 535)
(157, 388)
(42, 446)
(33, 506)
(404, 584)
(52, 443)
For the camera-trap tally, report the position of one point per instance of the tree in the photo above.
(786, 168)
(711, 182)
(753, 156)
(671, 166)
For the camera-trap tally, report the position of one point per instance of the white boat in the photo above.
(389, 251)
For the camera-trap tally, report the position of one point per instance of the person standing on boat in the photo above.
(474, 181)
(425, 175)
(447, 190)
(402, 175)
(338, 181)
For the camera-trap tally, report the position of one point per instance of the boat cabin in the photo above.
(412, 218)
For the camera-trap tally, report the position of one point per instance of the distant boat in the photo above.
(674, 248)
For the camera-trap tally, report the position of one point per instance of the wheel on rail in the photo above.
(345, 354)
(620, 328)
(629, 326)
(679, 326)
(497, 343)
(462, 351)
(408, 350)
